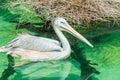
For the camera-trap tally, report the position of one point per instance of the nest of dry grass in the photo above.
(80, 11)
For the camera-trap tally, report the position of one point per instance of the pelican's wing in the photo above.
(34, 43)
(50, 40)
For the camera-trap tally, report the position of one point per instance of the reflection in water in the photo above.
(45, 70)
(10, 70)
(49, 70)
(86, 69)
(42, 70)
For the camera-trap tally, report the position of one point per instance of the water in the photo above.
(105, 55)
(45, 70)
(99, 63)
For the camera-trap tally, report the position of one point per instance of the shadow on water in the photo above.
(86, 69)
(10, 70)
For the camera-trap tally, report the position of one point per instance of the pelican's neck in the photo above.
(63, 40)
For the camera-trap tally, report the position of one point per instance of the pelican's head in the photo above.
(61, 24)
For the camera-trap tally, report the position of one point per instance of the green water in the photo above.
(54, 70)
(99, 63)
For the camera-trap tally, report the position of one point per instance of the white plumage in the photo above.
(38, 48)
(27, 41)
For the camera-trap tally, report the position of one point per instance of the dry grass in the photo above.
(80, 11)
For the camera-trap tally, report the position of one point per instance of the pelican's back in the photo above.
(34, 43)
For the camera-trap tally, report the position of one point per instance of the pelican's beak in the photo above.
(69, 29)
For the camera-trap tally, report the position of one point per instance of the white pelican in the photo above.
(35, 48)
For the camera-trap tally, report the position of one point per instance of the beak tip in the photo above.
(91, 46)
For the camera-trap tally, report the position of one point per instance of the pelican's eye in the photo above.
(63, 23)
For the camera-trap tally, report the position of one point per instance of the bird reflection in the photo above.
(86, 70)
(10, 70)
(51, 70)
(42, 70)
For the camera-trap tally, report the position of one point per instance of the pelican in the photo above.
(33, 48)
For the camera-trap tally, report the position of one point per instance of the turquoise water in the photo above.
(99, 63)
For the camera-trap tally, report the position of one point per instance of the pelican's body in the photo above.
(27, 41)
(37, 48)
